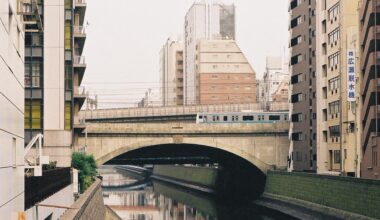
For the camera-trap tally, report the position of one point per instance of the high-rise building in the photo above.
(54, 68)
(203, 21)
(337, 73)
(171, 73)
(12, 111)
(369, 91)
(302, 45)
(276, 74)
(223, 73)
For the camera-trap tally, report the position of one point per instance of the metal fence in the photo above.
(38, 189)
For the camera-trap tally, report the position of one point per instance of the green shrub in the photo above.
(86, 166)
(51, 166)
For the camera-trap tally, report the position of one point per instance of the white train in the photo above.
(242, 117)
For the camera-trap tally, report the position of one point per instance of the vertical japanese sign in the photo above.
(351, 75)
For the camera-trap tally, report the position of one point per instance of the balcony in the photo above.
(79, 31)
(79, 124)
(80, 62)
(30, 12)
(80, 3)
(80, 96)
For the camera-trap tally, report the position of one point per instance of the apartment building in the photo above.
(337, 74)
(171, 73)
(54, 69)
(302, 47)
(369, 89)
(276, 74)
(203, 21)
(224, 73)
(12, 111)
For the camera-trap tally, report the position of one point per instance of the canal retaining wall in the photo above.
(203, 176)
(90, 205)
(354, 195)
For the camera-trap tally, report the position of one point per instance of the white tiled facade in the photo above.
(12, 111)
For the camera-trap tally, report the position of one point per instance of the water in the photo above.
(134, 198)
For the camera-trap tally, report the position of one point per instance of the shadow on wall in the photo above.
(237, 179)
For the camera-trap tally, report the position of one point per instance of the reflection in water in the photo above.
(135, 199)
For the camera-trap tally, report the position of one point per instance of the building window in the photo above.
(297, 136)
(334, 107)
(67, 115)
(295, 22)
(297, 117)
(334, 131)
(374, 158)
(333, 12)
(334, 59)
(334, 84)
(296, 59)
(296, 40)
(337, 156)
(33, 114)
(295, 3)
(296, 79)
(297, 98)
(334, 36)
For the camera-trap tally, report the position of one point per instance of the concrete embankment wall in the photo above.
(204, 176)
(90, 205)
(354, 195)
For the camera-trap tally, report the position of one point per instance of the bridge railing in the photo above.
(178, 110)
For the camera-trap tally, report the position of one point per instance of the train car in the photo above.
(242, 117)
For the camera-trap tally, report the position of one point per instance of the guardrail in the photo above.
(79, 30)
(178, 110)
(79, 60)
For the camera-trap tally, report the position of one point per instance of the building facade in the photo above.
(54, 68)
(12, 111)
(203, 21)
(224, 74)
(276, 74)
(302, 46)
(369, 88)
(338, 49)
(171, 73)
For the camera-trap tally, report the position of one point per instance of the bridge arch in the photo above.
(262, 166)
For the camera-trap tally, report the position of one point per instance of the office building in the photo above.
(223, 73)
(203, 21)
(276, 74)
(369, 89)
(12, 111)
(302, 47)
(54, 69)
(171, 73)
(337, 81)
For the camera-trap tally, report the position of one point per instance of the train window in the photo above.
(274, 117)
(200, 117)
(225, 118)
(234, 118)
(217, 118)
(285, 117)
(247, 118)
(214, 118)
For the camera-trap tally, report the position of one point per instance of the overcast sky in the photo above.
(124, 38)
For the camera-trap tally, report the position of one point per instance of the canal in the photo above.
(134, 197)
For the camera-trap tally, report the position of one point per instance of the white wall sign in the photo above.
(351, 75)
